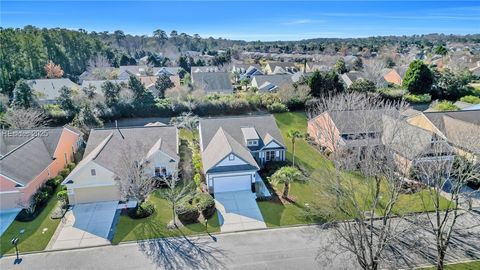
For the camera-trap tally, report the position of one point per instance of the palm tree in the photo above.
(286, 175)
(294, 134)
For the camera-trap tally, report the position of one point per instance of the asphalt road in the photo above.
(287, 248)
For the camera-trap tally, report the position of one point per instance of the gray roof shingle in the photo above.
(213, 82)
(48, 88)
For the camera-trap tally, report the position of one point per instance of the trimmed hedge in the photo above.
(187, 212)
(143, 210)
(65, 172)
(277, 107)
(205, 203)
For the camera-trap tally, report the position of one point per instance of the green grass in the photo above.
(34, 239)
(310, 194)
(155, 226)
(459, 266)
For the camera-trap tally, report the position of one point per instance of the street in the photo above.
(285, 248)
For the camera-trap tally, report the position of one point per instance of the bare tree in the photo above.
(134, 174)
(370, 207)
(24, 118)
(373, 71)
(186, 120)
(447, 177)
(176, 191)
(28, 204)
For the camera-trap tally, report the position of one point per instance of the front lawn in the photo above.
(38, 232)
(310, 193)
(155, 226)
(459, 266)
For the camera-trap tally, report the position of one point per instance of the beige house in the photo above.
(93, 180)
(460, 128)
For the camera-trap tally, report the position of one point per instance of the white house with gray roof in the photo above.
(235, 148)
(46, 90)
(93, 180)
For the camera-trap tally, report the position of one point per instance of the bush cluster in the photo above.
(143, 210)
(205, 203)
(186, 211)
(421, 98)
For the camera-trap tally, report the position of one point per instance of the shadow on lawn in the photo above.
(183, 252)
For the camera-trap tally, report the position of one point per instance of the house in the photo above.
(315, 66)
(235, 148)
(170, 71)
(459, 128)
(270, 83)
(350, 77)
(29, 157)
(46, 90)
(93, 180)
(213, 82)
(143, 70)
(149, 82)
(203, 69)
(246, 71)
(97, 84)
(280, 68)
(412, 145)
(339, 130)
(394, 75)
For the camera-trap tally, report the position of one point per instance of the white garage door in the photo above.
(232, 183)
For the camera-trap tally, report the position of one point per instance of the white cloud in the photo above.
(303, 21)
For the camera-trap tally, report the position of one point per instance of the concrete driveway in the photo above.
(88, 224)
(6, 218)
(238, 211)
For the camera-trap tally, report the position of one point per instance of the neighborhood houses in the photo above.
(154, 139)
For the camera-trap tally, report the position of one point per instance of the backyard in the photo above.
(307, 194)
(38, 232)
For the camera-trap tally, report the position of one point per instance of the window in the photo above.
(93, 172)
(66, 160)
(157, 171)
(160, 171)
(252, 142)
(231, 157)
(269, 155)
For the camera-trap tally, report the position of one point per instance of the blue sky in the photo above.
(251, 20)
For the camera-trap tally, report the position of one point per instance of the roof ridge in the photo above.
(102, 146)
(19, 146)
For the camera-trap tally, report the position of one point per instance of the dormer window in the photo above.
(252, 142)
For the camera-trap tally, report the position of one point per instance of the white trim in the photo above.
(10, 191)
(90, 186)
(8, 178)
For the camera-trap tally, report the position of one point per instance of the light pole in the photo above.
(14, 242)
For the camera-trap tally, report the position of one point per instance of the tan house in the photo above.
(93, 180)
(459, 128)
(280, 68)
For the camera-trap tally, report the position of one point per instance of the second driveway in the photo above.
(238, 211)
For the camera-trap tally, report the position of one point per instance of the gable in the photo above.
(273, 144)
(83, 176)
(231, 160)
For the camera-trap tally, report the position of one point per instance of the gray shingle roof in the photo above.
(213, 81)
(357, 121)
(22, 157)
(264, 125)
(437, 118)
(277, 80)
(145, 137)
(196, 69)
(49, 87)
(221, 145)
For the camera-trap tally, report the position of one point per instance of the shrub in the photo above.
(205, 203)
(40, 197)
(48, 189)
(62, 196)
(143, 210)
(277, 107)
(187, 212)
(471, 99)
(445, 106)
(425, 98)
(65, 172)
(392, 93)
(58, 180)
(197, 178)
(51, 183)
(71, 166)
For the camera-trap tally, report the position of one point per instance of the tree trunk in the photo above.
(173, 215)
(286, 190)
(440, 258)
(293, 153)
